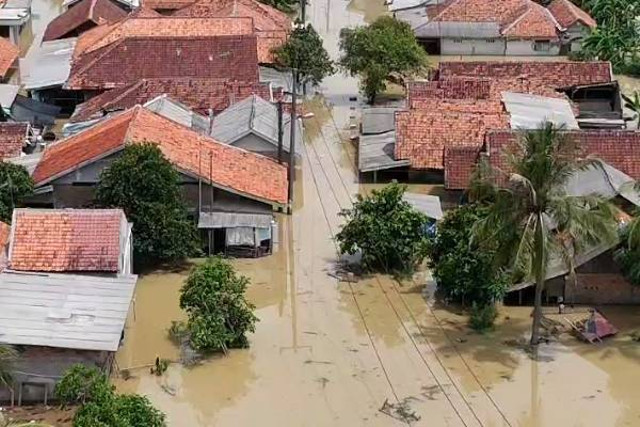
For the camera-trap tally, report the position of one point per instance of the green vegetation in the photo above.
(286, 6)
(100, 405)
(386, 230)
(541, 219)
(15, 186)
(633, 103)
(617, 36)
(147, 187)
(464, 272)
(482, 317)
(385, 51)
(219, 315)
(305, 53)
(8, 356)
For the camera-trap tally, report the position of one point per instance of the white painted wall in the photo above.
(527, 48)
(472, 47)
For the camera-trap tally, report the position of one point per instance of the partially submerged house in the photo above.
(501, 27)
(252, 124)
(65, 294)
(215, 177)
(83, 16)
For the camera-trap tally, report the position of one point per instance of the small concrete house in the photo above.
(498, 27)
(65, 294)
(252, 124)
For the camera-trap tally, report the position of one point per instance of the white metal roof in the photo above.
(425, 203)
(529, 111)
(378, 120)
(375, 152)
(47, 65)
(8, 94)
(81, 312)
(178, 112)
(394, 5)
(234, 219)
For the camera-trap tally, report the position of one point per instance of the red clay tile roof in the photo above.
(619, 148)
(265, 17)
(81, 17)
(5, 232)
(168, 27)
(459, 163)
(66, 240)
(557, 74)
(8, 55)
(197, 94)
(12, 138)
(236, 170)
(167, 4)
(536, 23)
(567, 14)
(423, 135)
(462, 88)
(132, 59)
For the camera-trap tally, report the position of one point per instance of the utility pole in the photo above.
(303, 11)
(292, 144)
(280, 132)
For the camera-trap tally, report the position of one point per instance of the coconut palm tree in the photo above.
(633, 103)
(533, 216)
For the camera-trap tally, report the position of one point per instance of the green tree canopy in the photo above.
(464, 272)
(386, 230)
(219, 315)
(305, 53)
(100, 405)
(380, 52)
(533, 217)
(146, 186)
(287, 6)
(15, 186)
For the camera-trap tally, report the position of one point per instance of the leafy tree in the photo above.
(219, 315)
(633, 104)
(463, 271)
(100, 405)
(388, 232)
(146, 186)
(384, 51)
(15, 186)
(305, 53)
(287, 6)
(8, 356)
(543, 221)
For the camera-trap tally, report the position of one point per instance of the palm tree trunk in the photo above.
(537, 312)
(539, 265)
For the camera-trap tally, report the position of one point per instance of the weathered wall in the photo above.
(257, 145)
(527, 48)
(472, 47)
(602, 288)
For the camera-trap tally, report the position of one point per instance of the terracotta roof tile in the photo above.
(132, 59)
(459, 163)
(557, 74)
(168, 27)
(536, 23)
(66, 240)
(81, 17)
(567, 14)
(504, 12)
(458, 88)
(197, 94)
(265, 17)
(167, 4)
(619, 148)
(8, 55)
(12, 138)
(234, 169)
(423, 135)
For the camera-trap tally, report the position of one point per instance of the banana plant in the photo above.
(633, 103)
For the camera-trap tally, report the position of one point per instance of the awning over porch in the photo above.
(233, 219)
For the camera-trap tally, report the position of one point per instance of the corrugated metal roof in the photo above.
(63, 310)
(458, 30)
(395, 5)
(18, 4)
(257, 116)
(28, 161)
(180, 113)
(47, 65)
(375, 152)
(378, 120)
(529, 111)
(234, 219)
(425, 203)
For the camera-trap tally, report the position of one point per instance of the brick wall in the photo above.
(596, 288)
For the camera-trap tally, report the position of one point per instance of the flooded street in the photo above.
(331, 353)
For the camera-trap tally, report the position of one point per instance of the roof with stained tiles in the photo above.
(131, 59)
(235, 170)
(12, 138)
(459, 164)
(66, 240)
(568, 14)
(197, 93)
(8, 55)
(84, 14)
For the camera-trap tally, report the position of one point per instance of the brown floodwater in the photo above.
(328, 352)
